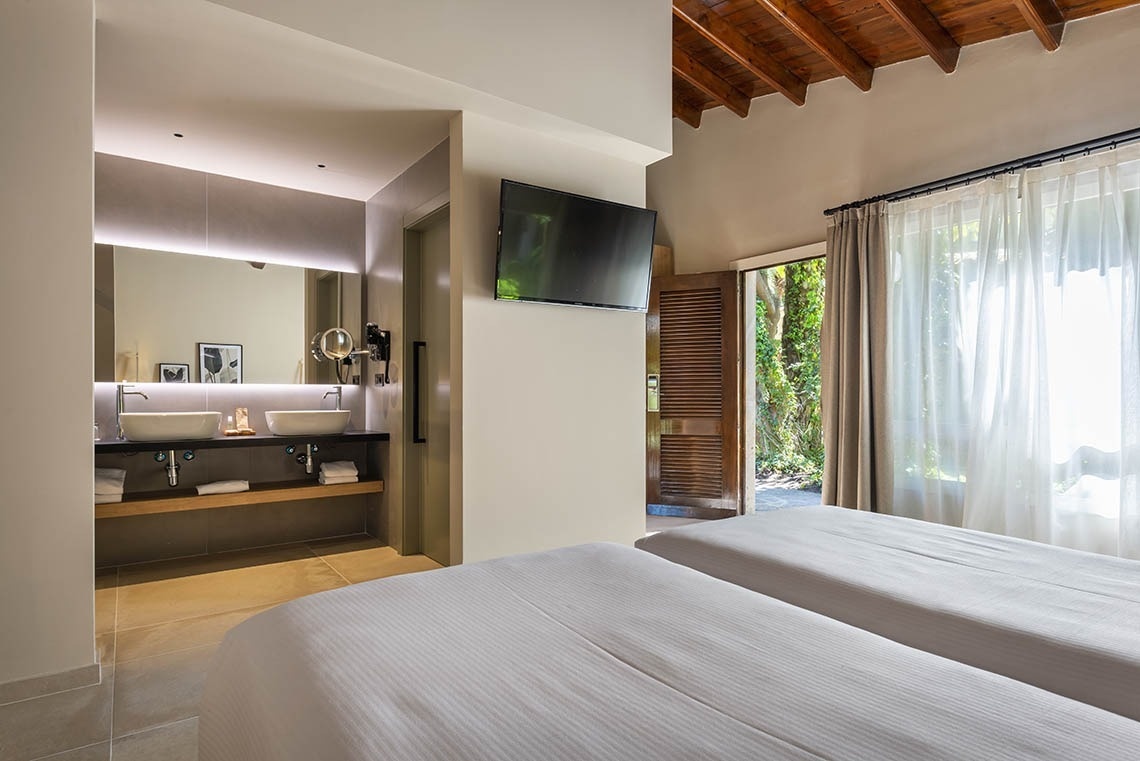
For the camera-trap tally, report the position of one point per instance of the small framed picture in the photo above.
(219, 363)
(171, 372)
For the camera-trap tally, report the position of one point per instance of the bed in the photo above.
(606, 652)
(1065, 621)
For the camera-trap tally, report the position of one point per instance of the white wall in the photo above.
(165, 304)
(47, 618)
(548, 406)
(737, 188)
(595, 62)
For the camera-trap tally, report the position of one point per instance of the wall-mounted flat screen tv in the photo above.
(561, 248)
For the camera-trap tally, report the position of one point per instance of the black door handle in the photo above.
(417, 367)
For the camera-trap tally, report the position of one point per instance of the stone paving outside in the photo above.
(772, 493)
(776, 493)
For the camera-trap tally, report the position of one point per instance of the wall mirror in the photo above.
(162, 317)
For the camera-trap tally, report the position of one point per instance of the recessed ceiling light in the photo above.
(178, 134)
(320, 166)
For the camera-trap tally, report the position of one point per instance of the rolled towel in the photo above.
(338, 469)
(328, 480)
(223, 487)
(109, 480)
(106, 499)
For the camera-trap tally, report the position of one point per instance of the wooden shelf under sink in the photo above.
(178, 500)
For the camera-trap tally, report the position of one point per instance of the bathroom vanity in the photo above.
(150, 502)
(283, 505)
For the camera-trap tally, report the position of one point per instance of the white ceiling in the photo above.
(254, 100)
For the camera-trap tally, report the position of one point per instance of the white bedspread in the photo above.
(1063, 620)
(604, 652)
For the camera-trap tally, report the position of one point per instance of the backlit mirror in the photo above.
(181, 318)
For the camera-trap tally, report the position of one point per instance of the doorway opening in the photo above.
(783, 315)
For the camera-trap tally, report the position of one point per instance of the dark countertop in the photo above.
(235, 442)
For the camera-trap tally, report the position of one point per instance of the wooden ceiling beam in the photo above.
(705, 80)
(725, 36)
(817, 35)
(1045, 19)
(687, 112)
(921, 24)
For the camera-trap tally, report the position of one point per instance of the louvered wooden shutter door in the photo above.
(693, 331)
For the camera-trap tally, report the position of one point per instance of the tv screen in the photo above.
(565, 249)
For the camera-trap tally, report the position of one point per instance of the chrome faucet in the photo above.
(120, 405)
(335, 392)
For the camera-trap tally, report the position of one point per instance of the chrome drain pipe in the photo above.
(172, 464)
(305, 459)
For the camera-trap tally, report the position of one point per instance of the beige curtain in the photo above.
(855, 403)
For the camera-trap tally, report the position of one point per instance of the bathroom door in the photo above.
(429, 399)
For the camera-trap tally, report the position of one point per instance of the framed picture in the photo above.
(219, 363)
(171, 372)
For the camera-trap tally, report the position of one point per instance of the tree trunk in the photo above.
(770, 291)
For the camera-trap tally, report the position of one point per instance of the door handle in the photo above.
(417, 394)
(653, 393)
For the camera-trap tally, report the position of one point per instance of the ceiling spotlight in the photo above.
(320, 166)
(178, 134)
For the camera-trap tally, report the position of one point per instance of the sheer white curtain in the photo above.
(1014, 354)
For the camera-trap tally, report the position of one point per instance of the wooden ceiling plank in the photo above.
(1045, 19)
(687, 113)
(725, 36)
(817, 35)
(921, 24)
(704, 79)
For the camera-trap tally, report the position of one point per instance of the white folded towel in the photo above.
(223, 487)
(106, 499)
(327, 480)
(109, 480)
(338, 469)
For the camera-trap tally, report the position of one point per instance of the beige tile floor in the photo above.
(157, 625)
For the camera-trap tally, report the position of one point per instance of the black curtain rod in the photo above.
(1058, 154)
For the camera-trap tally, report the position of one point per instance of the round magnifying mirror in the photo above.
(335, 344)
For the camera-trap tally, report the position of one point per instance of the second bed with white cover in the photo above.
(1063, 620)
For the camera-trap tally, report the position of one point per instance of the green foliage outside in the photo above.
(789, 316)
(928, 297)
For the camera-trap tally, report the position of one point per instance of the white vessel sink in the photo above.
(307, 422)
(165, 426)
